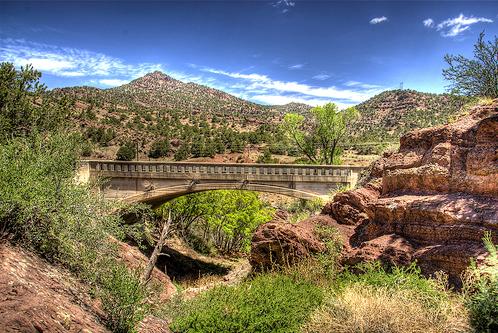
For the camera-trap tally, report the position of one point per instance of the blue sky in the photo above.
(271, 52)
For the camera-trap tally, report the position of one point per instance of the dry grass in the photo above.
(360, 309)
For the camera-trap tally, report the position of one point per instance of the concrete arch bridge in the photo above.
(157, 182)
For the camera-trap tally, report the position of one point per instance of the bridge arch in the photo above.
(152, 182)
(161, 195)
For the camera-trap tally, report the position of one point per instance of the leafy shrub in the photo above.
(160, 148)
(268, 303)
(266, 157)
(222, 219)
(86, 149)
(126, 152)
(124, 299)
(43, 209)
(481, 289)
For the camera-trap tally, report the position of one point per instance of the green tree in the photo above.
(126, 152)
(266, 157)
(24, 106)
(478, 76)
(183, 152)
(319, 139)
(160, 148)
(225, 219)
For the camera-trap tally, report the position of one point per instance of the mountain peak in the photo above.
(156, 75)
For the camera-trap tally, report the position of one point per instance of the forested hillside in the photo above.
(161, 117)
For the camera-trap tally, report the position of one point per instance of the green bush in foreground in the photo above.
(124, 299)
(268, 303)
(481, 289)
(43, 209)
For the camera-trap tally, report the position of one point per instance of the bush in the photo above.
(43, 209)
(123, 299)
(481, 290)
(160, 148)
(377, 300)
(126, 152)
(268, 303)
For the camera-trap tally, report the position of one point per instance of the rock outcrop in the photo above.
(37, 296)
(431, 201)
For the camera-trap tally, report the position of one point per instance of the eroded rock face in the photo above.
(38, 297)
(432, 201)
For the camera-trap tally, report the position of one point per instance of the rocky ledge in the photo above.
(431, 201)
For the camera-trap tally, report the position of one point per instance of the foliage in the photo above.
(127, 152)
(300, 209)
(43, 209)
(359, 308)
(124, 299)
(320, 140)
(268, 303)
(22, 106)
(373, 299)
(481, 290)
(478, 76)
(225, 219)
(266, 157)
(160, 148)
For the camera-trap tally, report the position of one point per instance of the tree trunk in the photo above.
(157, 250)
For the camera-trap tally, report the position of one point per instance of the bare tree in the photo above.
(157, 250)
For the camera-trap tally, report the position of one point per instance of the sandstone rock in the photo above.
(388, 249)
(350, 207)
(36, 296)
(278, 243)
(438, 196)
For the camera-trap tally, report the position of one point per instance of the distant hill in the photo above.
(159, 91)
(390, 114)
(189, 120)
(293, 108)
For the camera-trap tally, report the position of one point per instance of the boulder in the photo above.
(278, 243)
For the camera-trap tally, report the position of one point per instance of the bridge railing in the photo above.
(138, 167)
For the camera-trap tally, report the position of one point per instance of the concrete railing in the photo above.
(147, 180)
(189, 169)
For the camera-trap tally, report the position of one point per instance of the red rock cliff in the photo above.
(431, 201)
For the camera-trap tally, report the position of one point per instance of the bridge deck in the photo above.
(138, 177)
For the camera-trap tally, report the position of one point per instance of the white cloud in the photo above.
(361, 85)
(262, 85)
(455, 26)
(113, 82)
(321, 77)
(69, 62)
(296, 66)
(377, 20)
(284, 5)
(429, 23)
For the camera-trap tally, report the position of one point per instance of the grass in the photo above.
(314, 296)
(267, 303)
(365, 308)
